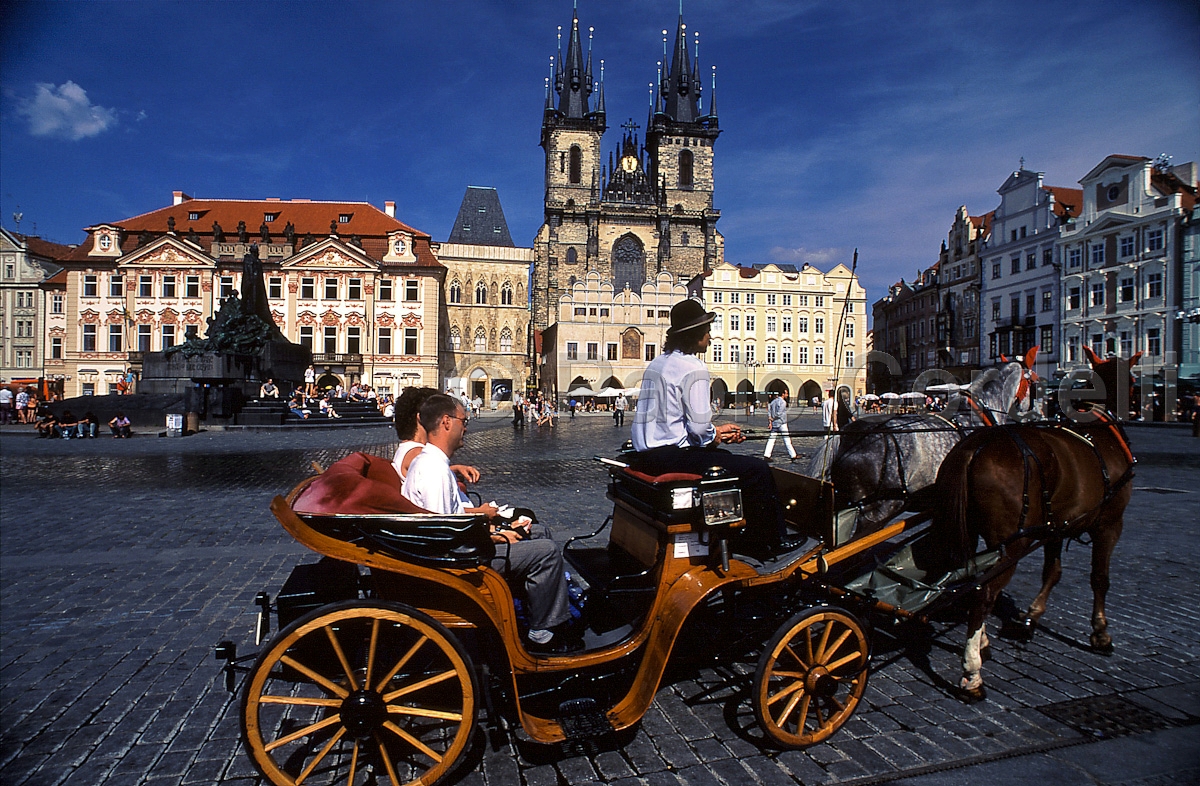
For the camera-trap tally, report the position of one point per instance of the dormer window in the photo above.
(269, 217)
(344, 218)
(193, 216)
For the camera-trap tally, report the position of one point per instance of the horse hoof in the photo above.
(971, 695)
(1103, 646)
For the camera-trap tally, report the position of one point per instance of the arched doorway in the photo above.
(628, 263)
(810, 390)
(777, 386)
(328, 381)
(745, 393)
(720, 392)
(612, 382)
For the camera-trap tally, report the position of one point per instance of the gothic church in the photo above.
(648, 209)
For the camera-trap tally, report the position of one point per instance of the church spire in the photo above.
(574, 83)
(681, 88)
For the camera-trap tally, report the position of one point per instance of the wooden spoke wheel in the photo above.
(810, 677)
(356, 693)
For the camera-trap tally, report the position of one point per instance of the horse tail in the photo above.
(821, 464)
(950, 516)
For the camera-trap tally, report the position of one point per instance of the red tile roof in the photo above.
(45, 248)
(1067, 201)
(366, 221)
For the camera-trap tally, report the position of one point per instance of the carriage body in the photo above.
(386, 668)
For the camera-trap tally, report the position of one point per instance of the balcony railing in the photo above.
(337, 359)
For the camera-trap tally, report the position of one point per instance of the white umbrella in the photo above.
(913, 396)
(609, 392)
(890, 396)
(581, 391)
(871, 397)
(633, 392)
(946, 387)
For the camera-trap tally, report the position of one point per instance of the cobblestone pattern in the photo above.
(123, 562)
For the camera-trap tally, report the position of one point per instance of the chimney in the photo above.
(390, 209)
(178, 197)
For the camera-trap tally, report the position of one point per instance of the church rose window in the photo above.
(629, 264)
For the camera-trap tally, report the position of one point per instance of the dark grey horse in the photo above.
(887, 464)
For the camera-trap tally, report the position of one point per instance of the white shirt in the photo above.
(673, 406)
(431, 484)
(402, 451)
(827, 411)
(6, 396)
(777, 412)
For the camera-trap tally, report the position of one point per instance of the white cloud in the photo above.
(66, 112)
(801, 255)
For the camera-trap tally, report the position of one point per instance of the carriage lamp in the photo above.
(722, 507)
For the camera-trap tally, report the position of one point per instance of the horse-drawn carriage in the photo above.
(391, 645)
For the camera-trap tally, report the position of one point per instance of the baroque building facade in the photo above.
(905, 332)
(605, 337)
(649, 208)
(485, 346)
(25, 263)
(1122, 264)
(780, 327)
(350, 281)
(1020, 304)
(958, 281)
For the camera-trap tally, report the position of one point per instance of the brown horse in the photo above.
(1018, 486)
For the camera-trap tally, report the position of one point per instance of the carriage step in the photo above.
(582, 719)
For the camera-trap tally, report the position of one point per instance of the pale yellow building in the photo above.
(780, 327)
(603, 338)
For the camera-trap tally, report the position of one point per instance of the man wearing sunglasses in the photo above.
(537, 564)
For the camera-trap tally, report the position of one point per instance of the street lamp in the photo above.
(754, 366)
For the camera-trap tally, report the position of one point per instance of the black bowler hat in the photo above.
(687, 315)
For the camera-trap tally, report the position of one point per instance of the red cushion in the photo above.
(359, 484)
(669, 477)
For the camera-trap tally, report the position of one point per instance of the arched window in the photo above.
(455, 291)
(685, 169)
(683, 238)
(455, 339)
(480, 340)
(481, 292)
(576, 165)
(506, 294)
(572, 256)
(506, 344)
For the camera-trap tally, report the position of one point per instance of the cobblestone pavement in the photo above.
(123, 562)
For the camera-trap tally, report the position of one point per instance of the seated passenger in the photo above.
(120, 426)
(538, 564)
(673, 429)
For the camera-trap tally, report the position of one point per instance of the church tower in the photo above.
(648, 208)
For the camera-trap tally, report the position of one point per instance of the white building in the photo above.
(1019, 303)
(1122, 263)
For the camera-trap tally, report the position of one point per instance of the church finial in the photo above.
(600, 98)
(587, 71)
(574, 82)
(1022, 162)
(712, 97)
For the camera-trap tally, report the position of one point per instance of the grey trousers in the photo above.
(538, 564)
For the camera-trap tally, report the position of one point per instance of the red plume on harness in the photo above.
(1028, 375)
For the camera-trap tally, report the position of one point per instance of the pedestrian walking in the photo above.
(829, 413)
(777, 424)
(619, 407)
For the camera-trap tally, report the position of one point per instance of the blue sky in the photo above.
(852, 123)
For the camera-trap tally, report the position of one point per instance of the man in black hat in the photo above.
(673, 429)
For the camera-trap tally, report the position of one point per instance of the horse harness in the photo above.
(1030, 460)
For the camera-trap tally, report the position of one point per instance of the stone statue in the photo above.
(333, 227)
(171, 224)
(218, 233)
(289, 234)
(265, 233)
(144, 237)
(254, 290)
(355, 240)
(243, 236)
(192, 236)
(309, 239)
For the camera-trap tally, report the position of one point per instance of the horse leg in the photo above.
(1104, 540)
(971, 684)
(1051, 573)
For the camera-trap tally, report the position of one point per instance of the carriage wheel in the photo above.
(810, 677)
(356, 692)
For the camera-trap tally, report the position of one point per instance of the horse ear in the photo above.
(1133, 360)
(1003, 358)
(1031, 356)
(1091, 356)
